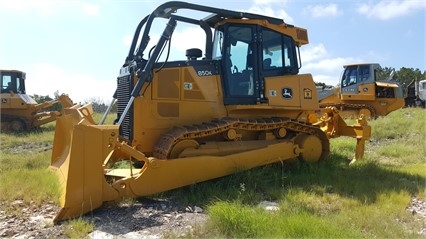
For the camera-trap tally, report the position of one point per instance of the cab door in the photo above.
(239, 73)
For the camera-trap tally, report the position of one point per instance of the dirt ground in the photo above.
(141, 219)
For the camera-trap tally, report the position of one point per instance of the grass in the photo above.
(78, 228)
(331, 199)
(40, 136)
(23, 162)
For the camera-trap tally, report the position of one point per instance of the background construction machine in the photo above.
(416, 94)
(19, 111)
(361, 92)
(241, 105)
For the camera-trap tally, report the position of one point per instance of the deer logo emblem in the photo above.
(287, 93)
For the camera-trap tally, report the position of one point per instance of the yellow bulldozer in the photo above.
(20, 112)
(240, 105)
(360, 91)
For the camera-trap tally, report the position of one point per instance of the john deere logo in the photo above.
(287, 93)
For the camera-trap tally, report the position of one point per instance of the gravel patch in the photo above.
(142, 219)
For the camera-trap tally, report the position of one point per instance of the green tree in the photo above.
(384, 73)
(41, 99)
(323, 85)
(404, 76)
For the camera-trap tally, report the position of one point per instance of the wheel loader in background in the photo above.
(361, 92)
(20, 112)
(241, 105)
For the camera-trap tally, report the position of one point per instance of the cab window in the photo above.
(349, 76)
(239, 62)
(277, 51)
(364, 73)
(6, 84)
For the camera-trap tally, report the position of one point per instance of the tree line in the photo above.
(403, 76)
(98, 104)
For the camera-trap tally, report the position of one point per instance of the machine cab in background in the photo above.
(356, 75)
(12, 81)
(361, 81)
(249, 53)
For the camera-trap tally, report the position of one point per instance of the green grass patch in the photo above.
(78, 228)
(36, 160)
(35, 186)
(241, 221)
(400, 123)
(331, 199)
(41, 136)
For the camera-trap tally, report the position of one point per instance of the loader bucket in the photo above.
(79, 149)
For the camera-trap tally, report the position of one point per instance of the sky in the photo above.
(77, 47)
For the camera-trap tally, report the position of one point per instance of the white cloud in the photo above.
(182, 39)
(90, 8)
(385, 10)
(312, 52)
(49, 7)
(43, 7)
(318, 11)
(323, 66)
(189, 37)
(330, 65)
(268, 2)
(46, 78)
(127, 40)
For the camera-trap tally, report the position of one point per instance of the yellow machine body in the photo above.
(19, 111)
(184, 122)
(360, 92)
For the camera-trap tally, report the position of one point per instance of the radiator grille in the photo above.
(124, 89)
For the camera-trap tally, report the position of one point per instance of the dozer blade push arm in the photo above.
(64, 100)
(44, 117)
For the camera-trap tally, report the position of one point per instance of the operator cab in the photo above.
(357, 79)
(353, 75)
(249, 53)
(12, 81)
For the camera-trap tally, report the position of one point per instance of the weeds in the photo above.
(78, 228)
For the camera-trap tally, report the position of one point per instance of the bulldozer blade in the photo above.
(79, 149)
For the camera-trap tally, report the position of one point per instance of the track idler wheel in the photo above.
(367, 113)
(180, 146)
(311, 147)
